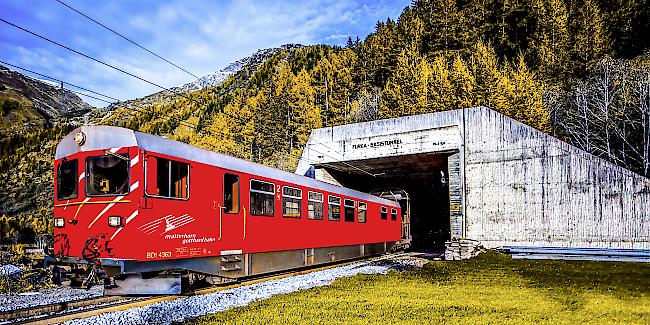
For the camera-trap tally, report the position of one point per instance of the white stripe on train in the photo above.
(135, 160)
(105, 209)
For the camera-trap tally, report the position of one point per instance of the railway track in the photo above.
(66, 311)
(33, 314)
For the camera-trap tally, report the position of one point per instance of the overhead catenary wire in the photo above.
(82, 54)
(347, 164)
(187, 124)
(140, 78)
(126, 38)
(94, 59)
(90, 96)
(63, 82)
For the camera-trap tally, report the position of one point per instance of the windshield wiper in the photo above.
(108, 152)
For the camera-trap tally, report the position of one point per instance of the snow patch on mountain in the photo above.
(218, 77)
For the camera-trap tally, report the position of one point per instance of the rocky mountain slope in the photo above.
(36, 115)
(216, 78)
(27, 103)
(211, 80)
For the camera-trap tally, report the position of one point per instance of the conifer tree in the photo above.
(406, 90)
(589, 36)
(525, 98)
(463, 83)
(550, 41)
(440, 88)
(484, 66)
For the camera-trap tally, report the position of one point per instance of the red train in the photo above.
(154, 214)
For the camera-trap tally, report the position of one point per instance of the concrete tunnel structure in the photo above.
(477, 174)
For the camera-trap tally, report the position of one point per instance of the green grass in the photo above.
(491, 288)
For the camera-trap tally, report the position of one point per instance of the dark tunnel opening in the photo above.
(424, 177)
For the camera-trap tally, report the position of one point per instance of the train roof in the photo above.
(99, 137)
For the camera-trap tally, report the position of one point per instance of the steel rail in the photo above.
(66, 311)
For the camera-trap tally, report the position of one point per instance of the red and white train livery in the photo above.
(149, 211)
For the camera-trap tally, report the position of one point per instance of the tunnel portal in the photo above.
(425, 179)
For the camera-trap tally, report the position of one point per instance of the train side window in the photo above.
(393, 214)
(167, 178)
(384, 213)
(231, 193)
(348, 210)
(315, 206)
(262, 198)
(334, 208)
(67, 179)
(291, 202)
(362, 212)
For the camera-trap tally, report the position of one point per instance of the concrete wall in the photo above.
(418, 134)
(527, 188)
(522, 187)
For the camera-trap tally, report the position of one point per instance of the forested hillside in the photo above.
(576, 69)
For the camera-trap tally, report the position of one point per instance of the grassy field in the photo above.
(492, 288)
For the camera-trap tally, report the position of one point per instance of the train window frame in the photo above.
(361, 210)
(393, 214)
(346, 209)
(238, 194)
(383, 212)
(311, 210)
(75, 179)
(146, 178)
(87, 174)
(329, 207)
(250, 197)
(291, 198)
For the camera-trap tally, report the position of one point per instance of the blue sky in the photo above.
(200, 36)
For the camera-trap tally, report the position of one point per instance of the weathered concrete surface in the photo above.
(521, 187)
(527, 188)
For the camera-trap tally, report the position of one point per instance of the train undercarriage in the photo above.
(130, 277)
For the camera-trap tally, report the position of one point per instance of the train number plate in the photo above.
(159, 254)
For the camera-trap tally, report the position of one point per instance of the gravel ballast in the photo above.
(186, 308)
(46, 297)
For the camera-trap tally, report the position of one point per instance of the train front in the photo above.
(96, 191)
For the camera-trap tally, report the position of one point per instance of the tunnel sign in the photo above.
(377, 144)
(421, 141)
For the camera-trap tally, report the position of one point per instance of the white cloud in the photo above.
(200, 36)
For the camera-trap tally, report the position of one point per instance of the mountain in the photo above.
(27, 102)
(249, 63)
(34, 115)
(546, 63)
(177, 112)
(218, 77)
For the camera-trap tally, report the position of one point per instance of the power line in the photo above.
(82, 54)
(342, 155)
(126, 38)
(137, 77)
(93, 97)
(347, 164)
(94, 59)
(61, 81)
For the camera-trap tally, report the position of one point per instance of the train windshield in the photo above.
(107, 175)
(67, 180)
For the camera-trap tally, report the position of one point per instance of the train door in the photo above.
(232, 214)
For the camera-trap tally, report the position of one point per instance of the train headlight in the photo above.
(59, 222)
(115, 221)
(80, 138)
